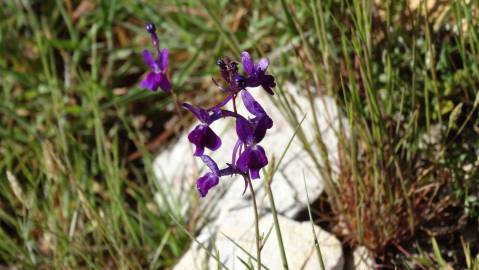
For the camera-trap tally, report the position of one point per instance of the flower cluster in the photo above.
(247, 157)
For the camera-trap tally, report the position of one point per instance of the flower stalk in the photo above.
(256, 221)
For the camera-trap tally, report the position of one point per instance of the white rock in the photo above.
(363, 259)
(177, 170)
(239, 226)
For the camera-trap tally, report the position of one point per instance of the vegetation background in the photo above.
(78, 136)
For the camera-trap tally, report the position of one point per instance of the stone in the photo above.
(232, 240)
(362, 259)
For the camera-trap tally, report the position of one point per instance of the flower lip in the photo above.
(206, 182)
(204, 137)
(252, 160)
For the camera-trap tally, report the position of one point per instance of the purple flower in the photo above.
(157, 76)
(205, 182)
(250, 133)
(202, 135)
(257, 73)
(210, 179)
(261, 120)
(248, 157)
(229, 71)
(254, 157)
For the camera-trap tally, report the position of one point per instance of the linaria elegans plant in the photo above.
(248, 157)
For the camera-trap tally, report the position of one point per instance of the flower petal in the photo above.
(263, 123)
(262, 65)
(243, 160)
(206, 182)
(149, 60)
(200, 114)
(164, 59)
(211, 164)
(222, 103)
(254, 173)
(150, 82)
(267, 82)
(203, 136)
(212, 141)
(252, 160)
(164, 83)
(235, 151)
(244, 129)
(251, 104)
(248, 64)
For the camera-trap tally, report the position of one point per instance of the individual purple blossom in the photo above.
(253, 158)
(261, 120)
(159, 65)
(205, 182)
(212, 178)
(256, 73)
(250, 133)
(202, 136)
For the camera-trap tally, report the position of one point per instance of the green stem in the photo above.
(256, 216)
(276, 225)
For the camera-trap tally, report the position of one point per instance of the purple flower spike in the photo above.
(247, 157)
(257, 73)
(157, 76)
(252, 160)
(203, 136)
(205, 182)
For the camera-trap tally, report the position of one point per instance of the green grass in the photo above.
(398, 74)
(72, 117)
